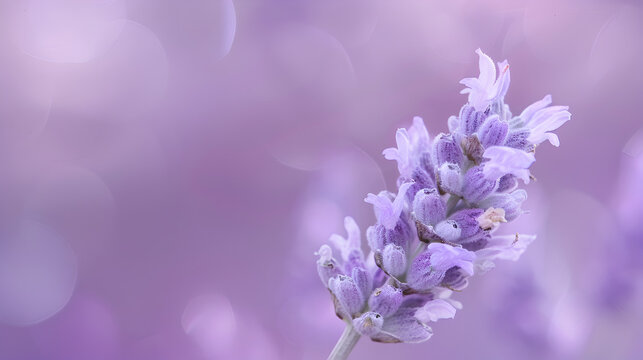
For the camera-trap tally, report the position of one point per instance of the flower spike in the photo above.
(454, 192)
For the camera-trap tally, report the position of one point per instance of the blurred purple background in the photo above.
(168, 169)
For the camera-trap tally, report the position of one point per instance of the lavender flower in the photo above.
(626, 248)
(454, 192)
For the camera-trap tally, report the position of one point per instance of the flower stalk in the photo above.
(440, 228)
(345, 344)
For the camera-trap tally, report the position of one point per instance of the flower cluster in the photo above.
(438, 230)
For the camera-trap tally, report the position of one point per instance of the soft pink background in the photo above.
(168, 168)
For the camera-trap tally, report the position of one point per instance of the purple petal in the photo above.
(327, 267)
(486, 89)
(504, 160)
(428, 269)
(493, 131)
(419, 135)
(545, 121)
(504, 79)
(531, 109)
(511, 203)
(450, 178)
(429, 207)
(347, 294)
(448, 230)
(445, 149)
(387, 211)
(369, 324)
(403, 327)
(506, 247)
(386, 300)
(363, 281)
(446, 256)
(347, 245)
(401, 154)
(476, 186)
(435, 310)
(394, 260)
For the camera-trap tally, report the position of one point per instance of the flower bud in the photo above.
(369, 324)
(429, 207)
(327, 271)
(476, 186)
(347, 293)
(363, 280)
(429, 268)
(467, 220)
(446, 150)
(422, 180)
(518, 140)
(473, 237)
(327, 266)
(450, 178)
(470, 119)
(507, 183)
(455, 279)
(394, 260)
(493, 131)
(379, 236)
(386, 300)
(448, 230)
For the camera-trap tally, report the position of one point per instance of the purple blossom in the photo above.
(446, 150)
(503, 247)
(347, 293)
(429, 268)
(352, 242)
(486, 88)
(394, 260)
(388, 212)
(478, 185)
(541, 119)
(435, 310)
(429, 207)
(386, 300)
(454, 193)
(449, 178)
(493, 131)
(411, 145)
(503, 160)
(369, 324)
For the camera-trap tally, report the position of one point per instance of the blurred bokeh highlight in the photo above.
(168, 168)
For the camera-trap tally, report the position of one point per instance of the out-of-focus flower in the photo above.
(439, 229)
(626, 248)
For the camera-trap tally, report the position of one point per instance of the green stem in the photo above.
(345, 344)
